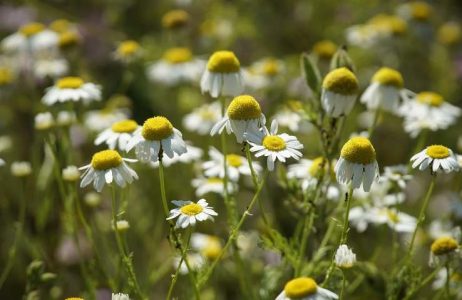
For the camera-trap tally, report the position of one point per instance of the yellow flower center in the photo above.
(31, 29)
(212, 248)
(430, 98)
(444, 245)
(325, 49)
(388, 23)
(387, 76)
(74, 298)
(191, 209)
(175, 19)
(300, 287)
(274, 143)
(125, 126)
(106, 159)
(317, 166)
(178, 55)
(234, 160)
(392, 216)
(6, 76)
(294, 105)
(271, 67)
(358, 150)
(214, 180)
(223, 62)
(449, 33)
(244, 107)
(60, 25)
(157, 128)
(128, 48)
(208, 115)
(70, 83)
(341, 81)
(68, 38)
(437, 151)
(421, 10)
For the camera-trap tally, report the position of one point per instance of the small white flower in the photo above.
(202, 119)
(208, 245)
(44, 121)
(339, 92)
(189, 212)
(122, 225)
(274, 146)
(72, 89)
(120, 296)
(195, 261)
(236, 165)
(99, 120)
(309, 171)
(438, 158)
(344, 257)
(71, 173)
(292, 120)
(50, 67)
(222, 76)
(128, 51)
(21, 168)
(30, 38)
(357, 164)
(92, 199)
(118, 135)
(193, 154)
(242, 116)
(107, 166)
(262, 73)
(212, 185)
(397, 221)
(305, 288)
(397, 174)
(157, 134)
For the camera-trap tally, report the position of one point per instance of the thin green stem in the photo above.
(307, 225)
(162, 188)
(423, 283)
(343, 285)
(255, 181)
(377, 114)
(177, 271)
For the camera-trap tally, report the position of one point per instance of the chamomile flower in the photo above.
(262, 73)
(208, 246)
(439, 158)
(216, 185)
(324, 49)
(339, 92)
(128, 51)
(177, 65)
(52, 67)
(236, 165)
(32, 37)
(21, 168)
(396, 220)
(397, 174)
(175, 19)
(6, 75)
(44, 121)
(274, 146)
(107, 166)
(118, 135)
(305, 288)
(192, 154)
(71, 173)
(242, 116)
(455, 280)
(120, 296)
(222, 76)
(189, 212)
(157, 134)
(289, 116)
(385, 90)
(428, 110)
(357, 164)
(445, 248)
(72, 89)
(195, 261)
(344, 257)
(202, 119)
(99, 120)
(450, 33)
(415, 10)
(309, 171)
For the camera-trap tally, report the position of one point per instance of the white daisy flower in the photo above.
(398, 174)
(415, 10)
(444, 249)
(118, 135)
(156, 135)
(121, 225)
(128, 51)
(44, 121)
(344, 257)
(339, 92)
(195, 261)
(50, 67)
(216, 185)
(236, 165)
(203, 118)
(192, 154)
(262, 73)
(208, 246)
(243, 115)
(99, 120)
(107, 166)
(396, 220)
(309, 171)
(455, 279)
(359, 218)
(120, 296)
(439, 158)
(305, 288)
(222, 76)
(189, 212)
(357, 164)
(385, 91)
(274, 146)
(428, 110)
(177, 65)
(292, 120)
(66, 118)
(72, 89)
(31, 37)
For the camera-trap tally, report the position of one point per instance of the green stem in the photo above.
(448, 279)
(177, 271)
(377, 114)
(343, 285)
(255, 182)
(423, 283)
(307, 225)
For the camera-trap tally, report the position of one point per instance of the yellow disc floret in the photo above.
(177, 55)
(449, 33)
(444, 245)
(214, 180)
(341, 81)
(60, 25)
(430, 98)
(325, 49)
(70, 83)
(125, 126)
(234, 160)
(420, 10)
(318, 165)
(274, 143)
(358, 150)
(31, 29)
(271, 67)
(68, 38)
(392, 216)
(388, 76)
(128, 48)
(388, 24)
(438, 151)
(6, 76)
(223, 62)
(157, 128)
(175, 19)
(106, 159)
(212, 248)
(191, 209)
(300, 287)
(244, 107)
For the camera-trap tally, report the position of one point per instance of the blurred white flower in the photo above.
(120, 296)
(21, 168)
(118, 135)
(71, 173)
(212, 185)
(44, 121)
(344, 257)
(50, 67)
(203, 118)
(72, 89)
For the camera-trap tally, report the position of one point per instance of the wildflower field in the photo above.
(212, 149)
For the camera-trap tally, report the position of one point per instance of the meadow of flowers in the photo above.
(230, 150)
